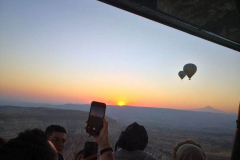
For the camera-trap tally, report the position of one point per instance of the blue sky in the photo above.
(85, 49)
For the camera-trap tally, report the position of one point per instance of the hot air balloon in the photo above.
(190, 70)
(181, 74)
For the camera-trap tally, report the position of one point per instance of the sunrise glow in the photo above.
(74, 59)
(121, 103)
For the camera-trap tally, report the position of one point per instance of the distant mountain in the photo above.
(151, 117)
(165, 127)
(14, 119)
(208, 109)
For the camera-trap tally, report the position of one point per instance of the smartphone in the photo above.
(95, 118)
(90, 148)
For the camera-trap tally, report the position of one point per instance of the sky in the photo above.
(79, 51)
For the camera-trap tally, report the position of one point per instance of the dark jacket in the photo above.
(132, 155)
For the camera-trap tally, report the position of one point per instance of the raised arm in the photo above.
(103, 142)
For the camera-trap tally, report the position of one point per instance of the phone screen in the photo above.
(90, 148)
(95, 119)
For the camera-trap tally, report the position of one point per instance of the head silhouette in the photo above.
(188, 150)
(57, 135)
(28, 145)
(133, 138)
(2, 141)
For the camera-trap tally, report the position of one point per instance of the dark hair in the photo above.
(2, 141)
(28, 145)
(133, 138)
(54, 128)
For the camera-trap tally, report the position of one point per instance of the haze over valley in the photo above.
(59, 55)
(165, 127)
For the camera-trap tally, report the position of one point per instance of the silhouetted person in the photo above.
(188, 150)
(57, 135)
(236, 145)
(2, 141)
(132, 142)
(103, 142)
(29, 145)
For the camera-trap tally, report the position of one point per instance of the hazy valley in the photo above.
(166, 127)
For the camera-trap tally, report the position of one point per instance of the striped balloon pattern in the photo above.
(190, 69)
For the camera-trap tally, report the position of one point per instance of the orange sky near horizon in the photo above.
(95, 52)
(133, 93)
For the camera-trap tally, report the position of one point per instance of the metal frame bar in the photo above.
(173, 22)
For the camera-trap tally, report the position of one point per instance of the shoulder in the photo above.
(119, 152)
(149, 157)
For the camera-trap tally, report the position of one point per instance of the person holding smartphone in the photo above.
(103, 142)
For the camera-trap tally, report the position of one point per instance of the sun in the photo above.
(121, 103)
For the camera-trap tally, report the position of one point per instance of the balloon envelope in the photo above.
(181, 74)
(190, 69)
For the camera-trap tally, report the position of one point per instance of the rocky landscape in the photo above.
(165, 127)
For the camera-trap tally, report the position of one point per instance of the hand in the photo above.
(102, 138)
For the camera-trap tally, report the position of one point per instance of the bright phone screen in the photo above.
(96, 118)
